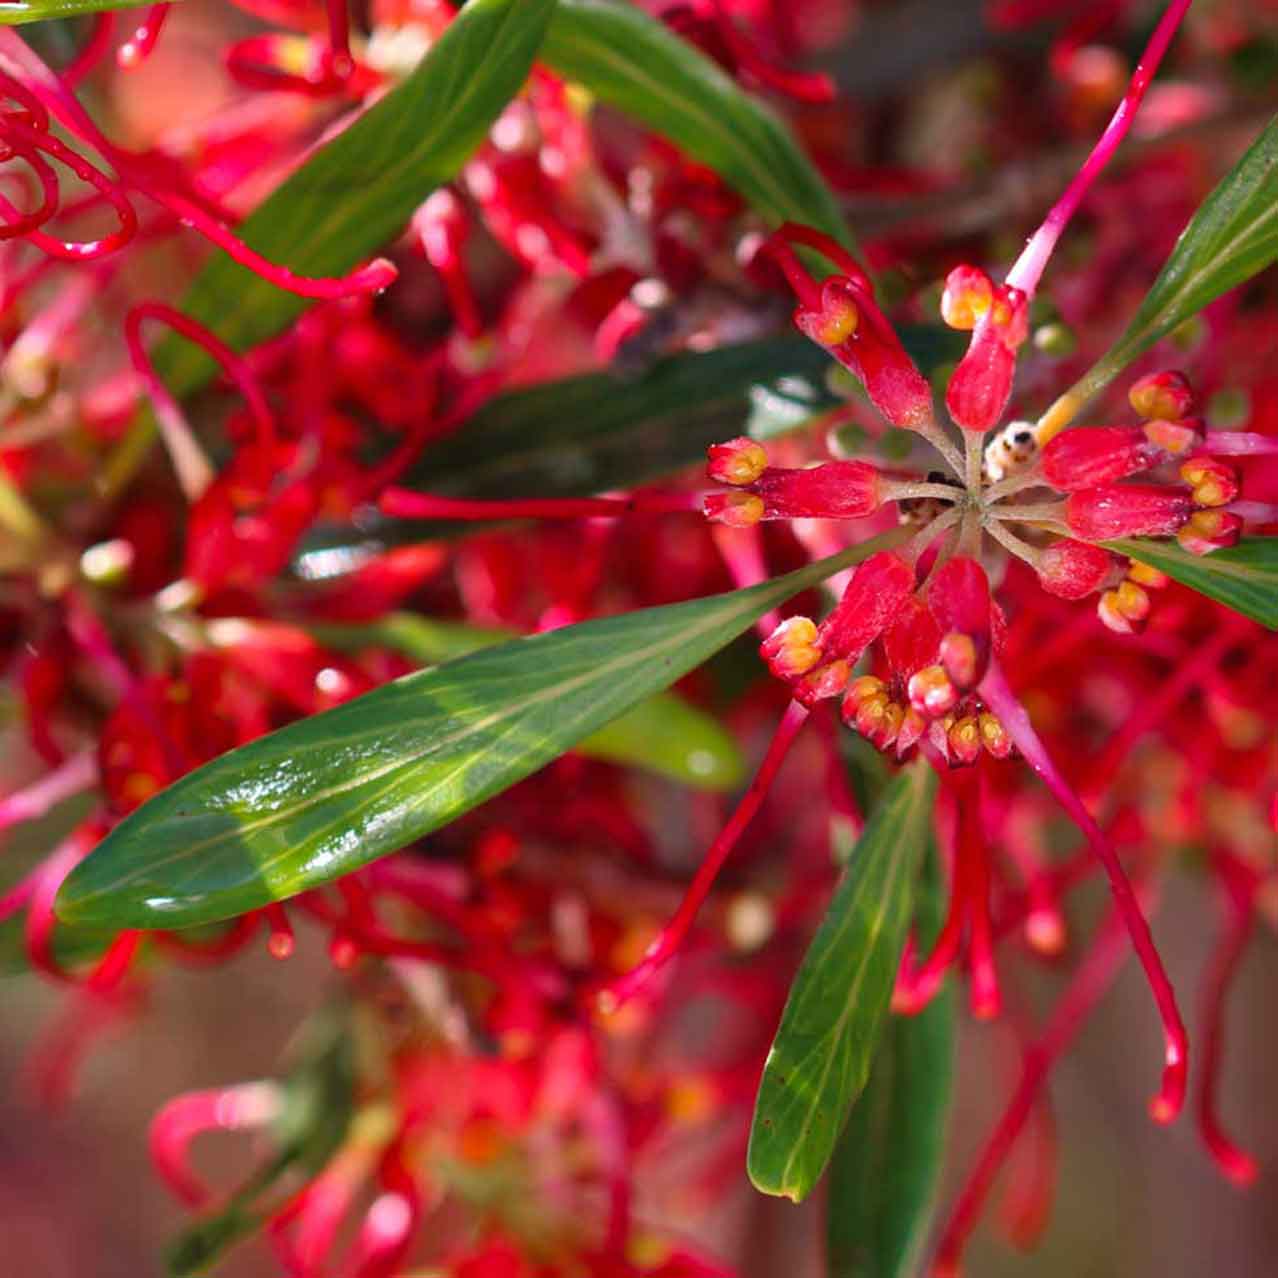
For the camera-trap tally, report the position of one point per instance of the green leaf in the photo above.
(820, 1058)
(15, 12)
(589, 434)
(1232, 236)
(322, 797)
(887, 1165)
(663, 734)
(638, 65)
(1242, 577)
(318, 1109)
(357, 191)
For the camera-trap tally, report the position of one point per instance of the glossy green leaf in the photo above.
(663, 734)
(820, 1059)
(318, 1108)
(356, 192)
(1242, 577)
(322, 797)
(589, 434)
(15, 12)
(887, 1165)
(636, 64)
(1232, 236)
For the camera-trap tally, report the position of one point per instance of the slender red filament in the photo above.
(96, 47)
(672, 936)
(233, 365)
(1016, 722)
(403, 503)
(137, 48)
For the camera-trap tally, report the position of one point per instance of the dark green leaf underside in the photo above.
(821, 1056)
(322, 797)
(1242, 577)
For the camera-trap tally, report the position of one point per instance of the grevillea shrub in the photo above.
(582, 506)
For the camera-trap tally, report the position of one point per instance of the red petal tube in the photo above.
(1094, 455)
(1131, 510)
(1073, 569)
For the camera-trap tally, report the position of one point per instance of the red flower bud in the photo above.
(1093, 455)
(872, 599)
(1132, 510)
(1166, 395)
(959, 597)
(833, 490)
(1208, 530)
(1073, 569)
(999, 319)
(1175, 437)
(736, 509)
(739, 461)
(1214, 483)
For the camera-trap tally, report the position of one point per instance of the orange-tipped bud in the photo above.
(1144, 575)
(1209, 530)
(931, 692)
(1166, 395)
(913, 726)
(736, 509)
(791, 649)
(1214, 483)
(1125, 609)
(965, 740)
(1176, 438)
(739, 461)
(862, 689)
(836, 321)
(959, 657)
(822, 683)
(994, 736)
(968, 296)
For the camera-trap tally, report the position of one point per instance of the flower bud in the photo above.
(736, 509)
(913, 726)
(823, 682)
(862, 689)
(965, 740)
(966, 300)
(1208, 530)
(1125, 609)
(1092, 455)
(874, 596)
(833, 490)
(959, 597)
(850, 326)
(791, 649)
(1132, 510)
(739, 461)
(994, 736)
(1175, 437)
(1072, 569)
(982, 383)
(1214, 483)
(1166, 395)
(931, 692)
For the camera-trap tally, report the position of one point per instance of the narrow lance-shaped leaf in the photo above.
(633, 62)
(16, 12)
(588, 434)
(1232, 236)
(1242, 577)
(887, 1165)
(664, 734)
(820, 1059)
(317, 799)
(356, 192)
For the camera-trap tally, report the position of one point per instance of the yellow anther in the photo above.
(836, 323)
(1147, 576)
